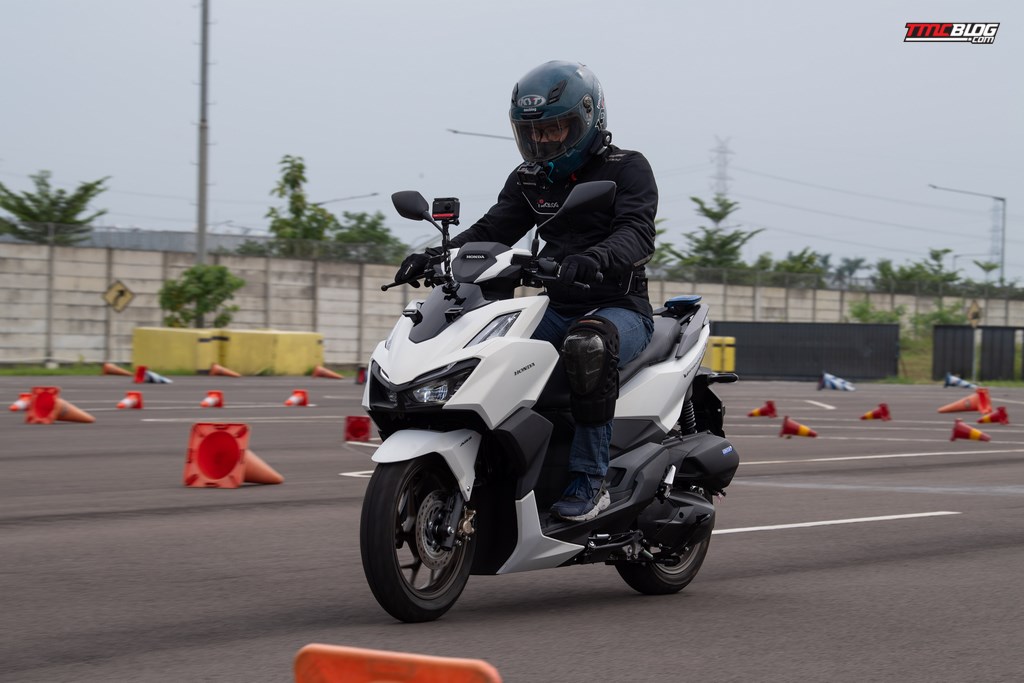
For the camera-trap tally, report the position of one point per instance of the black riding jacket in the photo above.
(621, 239)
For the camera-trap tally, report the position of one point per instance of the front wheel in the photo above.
(653, 578)
(404, 518)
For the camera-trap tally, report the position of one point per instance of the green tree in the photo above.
(201, 289)
(37, 215)
(364, 237)
(299, 225)
(926, 275)
(304, 229)
(716, 247)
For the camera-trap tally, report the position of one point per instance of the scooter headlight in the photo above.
(438, 390)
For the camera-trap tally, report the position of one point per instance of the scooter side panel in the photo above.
(657, 392)
(534, 550)
(458, 448)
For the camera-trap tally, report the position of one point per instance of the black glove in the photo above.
(414, 265)
(581, 268)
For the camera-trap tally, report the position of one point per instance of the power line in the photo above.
(904, 226)
(854, 193)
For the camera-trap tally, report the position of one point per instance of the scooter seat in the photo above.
(663, 342)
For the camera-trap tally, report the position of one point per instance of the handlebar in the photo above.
(535, 272)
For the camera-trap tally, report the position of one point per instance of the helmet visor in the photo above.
(546, 138)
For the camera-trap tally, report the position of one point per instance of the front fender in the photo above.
(457, 448)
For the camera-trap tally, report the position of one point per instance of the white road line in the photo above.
(826, 406)
(363, 443)
(736, 437)
(854, 520)
(294, 417)
(747, 463)
(359, 475)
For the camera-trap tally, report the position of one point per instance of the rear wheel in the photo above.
(654, 578)
(403, 524)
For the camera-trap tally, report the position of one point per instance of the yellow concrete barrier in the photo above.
(247, 352)
(176, 350)
(720, 355)
(272, 352)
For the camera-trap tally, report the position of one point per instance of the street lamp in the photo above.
(1002, 236)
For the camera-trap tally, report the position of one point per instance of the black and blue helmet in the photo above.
(564, 97)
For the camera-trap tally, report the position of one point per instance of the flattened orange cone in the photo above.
(67, 412)
(47, 407)
(132, 399)
(767, 410)
(317, 663)
(219, 457)
(979, 401)
(299, 397)
(321, 371)
(879, 413)
(218, 369)
(998, 416)
(111, 369)
(794, 428)
(23, 402)
(962, 430)
(259, 472)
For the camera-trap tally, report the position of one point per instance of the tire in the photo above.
(652, 578)
(402, 500)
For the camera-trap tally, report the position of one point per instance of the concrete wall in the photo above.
(342, 301)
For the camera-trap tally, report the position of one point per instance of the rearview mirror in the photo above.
(411, 204)
(595, 195)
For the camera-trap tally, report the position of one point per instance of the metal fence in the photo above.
(983, 354)
(806, 350)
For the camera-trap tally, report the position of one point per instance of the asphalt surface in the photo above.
(112, 570)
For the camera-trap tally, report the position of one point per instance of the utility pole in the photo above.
(721, 160)
(1002, 226)
(204, 51)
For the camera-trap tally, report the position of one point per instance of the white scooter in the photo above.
(476, 426)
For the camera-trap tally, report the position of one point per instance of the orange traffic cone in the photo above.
(962, 430)
(214, 399)
(361, 375)
(219, 457)
(299, 397)
(794, 428)
(217, 369)
(979, 401)
(111, 369)
(23, 402)
(321, 371)
(316, 663)
(879, 413)
(132, 399)
(767, 410)
(997, 416)
(140, 374)
(357, 428)
(47, 407)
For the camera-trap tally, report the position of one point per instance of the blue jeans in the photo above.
(590, 444)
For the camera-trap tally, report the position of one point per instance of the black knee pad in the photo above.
(591, 354)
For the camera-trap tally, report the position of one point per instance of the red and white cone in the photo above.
(22, 403)
(214, 399)
(299, 397)
(132, 399)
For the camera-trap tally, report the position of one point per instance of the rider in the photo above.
(559, 120)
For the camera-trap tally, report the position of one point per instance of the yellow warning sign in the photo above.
(118, 296)
(974, 313)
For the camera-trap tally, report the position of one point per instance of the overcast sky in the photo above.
(836, 126)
